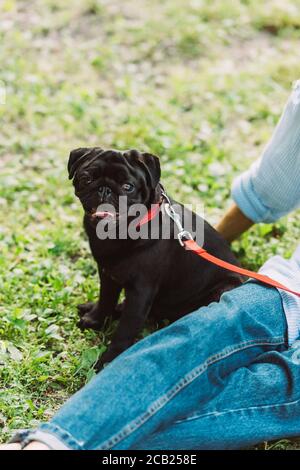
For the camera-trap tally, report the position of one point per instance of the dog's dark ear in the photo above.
(75, 159)
(152, 166)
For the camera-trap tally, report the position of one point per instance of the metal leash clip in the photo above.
(170, 211)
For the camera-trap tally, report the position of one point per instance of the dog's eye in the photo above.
(85, 180)
(128, 187)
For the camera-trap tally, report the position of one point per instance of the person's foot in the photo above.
(34, 445)
(15, 446)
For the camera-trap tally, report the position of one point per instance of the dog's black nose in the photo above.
(104, 191)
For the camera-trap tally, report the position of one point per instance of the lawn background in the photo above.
(200, 83)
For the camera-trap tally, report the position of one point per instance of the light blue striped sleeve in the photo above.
(287, 272)
(271, 187)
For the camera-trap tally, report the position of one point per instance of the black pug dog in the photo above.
(160, 278)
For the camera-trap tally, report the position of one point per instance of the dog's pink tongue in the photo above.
(103, 214)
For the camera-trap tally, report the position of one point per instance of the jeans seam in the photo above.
(237, 410)
(188, 378)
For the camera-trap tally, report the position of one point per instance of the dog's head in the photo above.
(100, 177)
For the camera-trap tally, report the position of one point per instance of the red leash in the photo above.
(191, 245)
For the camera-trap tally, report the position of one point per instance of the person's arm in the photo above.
(233, 224)
(271, 187)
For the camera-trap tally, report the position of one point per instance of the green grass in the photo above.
(202, 84)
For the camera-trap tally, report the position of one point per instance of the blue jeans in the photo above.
(222, 377)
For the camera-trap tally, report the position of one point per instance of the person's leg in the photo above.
(172, 372)
(256, 403)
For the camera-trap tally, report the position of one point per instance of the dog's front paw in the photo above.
(93, 320)
(85, 308)
(88, 324)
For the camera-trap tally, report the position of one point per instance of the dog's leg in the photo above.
(95, 314)
(137, 306)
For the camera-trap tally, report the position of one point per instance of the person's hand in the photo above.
(233, 224)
